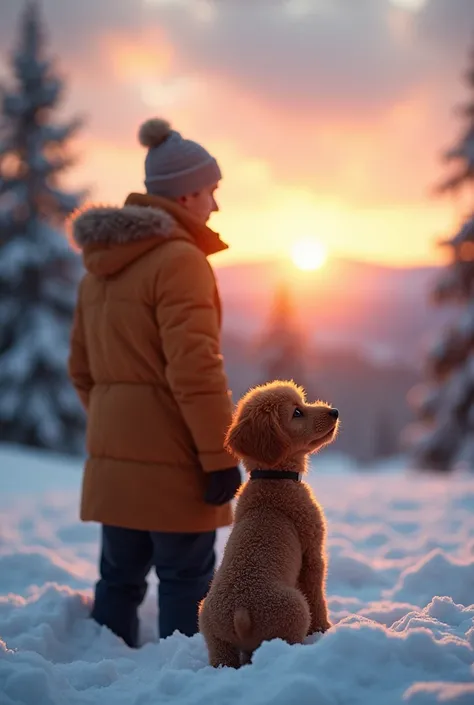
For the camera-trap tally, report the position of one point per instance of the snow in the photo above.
(400, 589)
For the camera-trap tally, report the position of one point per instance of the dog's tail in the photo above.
(242, 624)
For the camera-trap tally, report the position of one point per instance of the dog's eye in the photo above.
(297, 414)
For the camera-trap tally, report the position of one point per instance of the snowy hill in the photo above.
(400, 587)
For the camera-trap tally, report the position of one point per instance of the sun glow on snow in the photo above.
(308, 255)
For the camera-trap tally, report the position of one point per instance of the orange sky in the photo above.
(347, 159)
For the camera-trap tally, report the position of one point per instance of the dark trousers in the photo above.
(184, 564)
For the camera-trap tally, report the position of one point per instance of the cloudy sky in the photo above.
(328, 116)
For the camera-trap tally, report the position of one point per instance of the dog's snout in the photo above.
(334, 413)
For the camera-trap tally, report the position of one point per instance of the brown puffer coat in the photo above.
(145, 360)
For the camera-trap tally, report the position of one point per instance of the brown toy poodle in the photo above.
(271, 582)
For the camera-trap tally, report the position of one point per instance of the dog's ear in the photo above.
(258, 435)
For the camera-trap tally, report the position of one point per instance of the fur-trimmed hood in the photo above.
(111, 238)
(109, 225)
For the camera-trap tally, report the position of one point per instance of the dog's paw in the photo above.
(319, 628)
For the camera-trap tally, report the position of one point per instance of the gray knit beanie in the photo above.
(175, 166)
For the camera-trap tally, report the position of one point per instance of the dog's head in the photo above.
(273, 424)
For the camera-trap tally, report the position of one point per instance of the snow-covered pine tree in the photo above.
(39, 272)
(443, 438)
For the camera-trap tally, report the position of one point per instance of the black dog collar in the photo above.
(275, 475)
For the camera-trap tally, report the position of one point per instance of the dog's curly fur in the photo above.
(271, 582)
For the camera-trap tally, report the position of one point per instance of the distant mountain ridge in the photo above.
(384, 311)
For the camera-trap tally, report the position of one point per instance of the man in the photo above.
(145, 360)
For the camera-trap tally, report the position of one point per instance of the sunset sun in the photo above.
(308, 255)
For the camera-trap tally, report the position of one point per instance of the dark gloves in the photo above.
(222, 485)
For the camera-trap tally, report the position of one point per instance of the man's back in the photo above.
(157, 402)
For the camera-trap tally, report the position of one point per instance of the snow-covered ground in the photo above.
(400, 587)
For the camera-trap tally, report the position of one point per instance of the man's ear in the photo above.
(258, 436)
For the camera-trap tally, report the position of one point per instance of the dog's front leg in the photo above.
(312, 584)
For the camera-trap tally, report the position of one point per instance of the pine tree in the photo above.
(461, 155)
(282, 347)
(444, 436)
(39, 272)
(384, 437)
